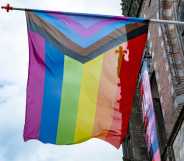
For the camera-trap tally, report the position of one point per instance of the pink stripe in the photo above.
(35, 89)
(156, 156)
(82, 30)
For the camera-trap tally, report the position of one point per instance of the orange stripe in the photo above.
(107, 96)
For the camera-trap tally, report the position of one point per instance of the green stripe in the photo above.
(69, 102)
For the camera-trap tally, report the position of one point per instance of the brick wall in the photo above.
(167, 59)
(166, 46)
(168, 63)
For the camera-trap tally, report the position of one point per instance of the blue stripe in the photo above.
(54, 64)
(154, 148)
(76, 37)
(154, 144)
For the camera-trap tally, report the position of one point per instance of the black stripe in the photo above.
(137, 32)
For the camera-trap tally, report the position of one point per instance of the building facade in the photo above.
(165, 51)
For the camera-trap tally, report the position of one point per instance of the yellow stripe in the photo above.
(88, 98)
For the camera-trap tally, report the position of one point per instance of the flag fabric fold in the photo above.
(82, 76)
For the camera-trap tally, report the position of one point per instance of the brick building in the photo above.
(165, 49)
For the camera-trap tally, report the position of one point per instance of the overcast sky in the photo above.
(13, 77)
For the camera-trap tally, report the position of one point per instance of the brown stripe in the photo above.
(107, 96)
(62, 39)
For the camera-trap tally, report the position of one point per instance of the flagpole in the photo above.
(9, 8)
(167, 21)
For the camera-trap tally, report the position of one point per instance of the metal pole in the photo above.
(9, 8)
(167, 21)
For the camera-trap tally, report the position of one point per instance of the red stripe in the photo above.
(128, 77)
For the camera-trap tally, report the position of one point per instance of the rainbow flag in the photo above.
(82, 76)
(149, 119)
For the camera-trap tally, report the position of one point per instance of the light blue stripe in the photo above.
(77, 38)
(54, 62)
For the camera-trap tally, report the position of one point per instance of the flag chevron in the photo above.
(84, 54)
(107, 28)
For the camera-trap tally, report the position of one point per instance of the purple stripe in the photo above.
(35, 86)
(81, 29)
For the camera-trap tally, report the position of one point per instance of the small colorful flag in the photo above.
(82, 76)
(151, 136)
